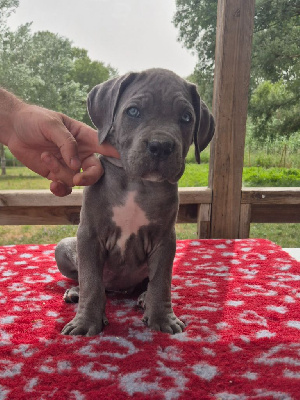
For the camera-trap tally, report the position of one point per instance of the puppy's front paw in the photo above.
(168, 323)
(84, 327)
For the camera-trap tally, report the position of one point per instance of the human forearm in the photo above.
(9, 105)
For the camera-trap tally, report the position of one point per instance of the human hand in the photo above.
(56, 147)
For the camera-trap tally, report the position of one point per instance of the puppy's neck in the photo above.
(115, 161)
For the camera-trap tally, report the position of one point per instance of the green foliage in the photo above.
(87, 74)
(197, 21)
(7, 7)
(203, 79)
(46, 69)
(276, 40)
(274, 109)
(275, 59)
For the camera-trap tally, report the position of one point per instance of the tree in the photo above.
(275, 42)
(274, 110)
(7, 7)
(197, 20)
(46, 69)
(275, 56)
(88, 74)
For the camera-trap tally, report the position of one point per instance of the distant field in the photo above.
(286, 235)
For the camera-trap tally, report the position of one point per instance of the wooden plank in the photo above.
(195, 195)
(40, 207)
(63, 215)
(245, 219)
(187, 213)
(69, 215)
(275, 213)
(203, 221)
(230, 101)
(271, 195)
(38, 198)
(189, 195)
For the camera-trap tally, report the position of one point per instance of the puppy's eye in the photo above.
(133, 112)
(186, 117)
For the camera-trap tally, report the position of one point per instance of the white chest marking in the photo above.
(130, 218)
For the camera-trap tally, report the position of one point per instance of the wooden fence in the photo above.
(264, 205)
(224, 209)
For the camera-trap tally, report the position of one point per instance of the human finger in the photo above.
(59, 189)
(57, 170)
(107, 149)
(65, 141)
(92, 170)
(88, 135)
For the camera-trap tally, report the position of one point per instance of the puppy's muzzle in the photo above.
(160, 149)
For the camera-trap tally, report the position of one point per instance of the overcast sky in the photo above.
(130, 35)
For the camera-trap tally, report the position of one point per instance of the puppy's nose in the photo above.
(160, 149)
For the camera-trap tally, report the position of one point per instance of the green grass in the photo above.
(22, 178)
(286, 235)
(194, 175)
(35, 234)
(280, 177)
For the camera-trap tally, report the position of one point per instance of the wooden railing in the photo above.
(225, 209)
(262, 205)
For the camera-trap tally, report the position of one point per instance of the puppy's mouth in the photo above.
(153, 176)
(154, 169)
(156, 175)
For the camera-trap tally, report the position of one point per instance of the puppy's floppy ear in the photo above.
(103, 100)
(204, 125)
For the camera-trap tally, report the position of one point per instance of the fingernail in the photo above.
(75, 163)
(46, 159)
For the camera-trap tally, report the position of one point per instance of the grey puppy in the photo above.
(126, 231)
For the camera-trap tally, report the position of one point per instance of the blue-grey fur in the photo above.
(151, 118)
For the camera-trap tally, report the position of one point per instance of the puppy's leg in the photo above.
(66, 257)
(159, 314)
(67, 263)
(90, 317)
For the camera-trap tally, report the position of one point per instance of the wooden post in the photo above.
(203, 221)
(230, 102)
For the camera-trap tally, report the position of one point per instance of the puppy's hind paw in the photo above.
(72, 295)
(141, 301)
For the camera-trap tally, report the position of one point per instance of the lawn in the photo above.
(286, 235)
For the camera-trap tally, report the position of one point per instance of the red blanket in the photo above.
(239, 299)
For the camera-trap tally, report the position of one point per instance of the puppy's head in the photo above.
(151, 118)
